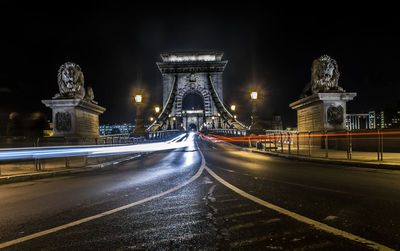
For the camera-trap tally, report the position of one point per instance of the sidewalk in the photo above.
(360, 159)
(26, 176)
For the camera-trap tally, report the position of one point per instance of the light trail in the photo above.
(96, 151)
(303, 137)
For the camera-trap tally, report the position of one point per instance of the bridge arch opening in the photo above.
(193, 101)
(192, 127)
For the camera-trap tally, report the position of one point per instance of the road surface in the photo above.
(206, 196)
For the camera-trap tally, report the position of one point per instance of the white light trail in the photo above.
(181, 141)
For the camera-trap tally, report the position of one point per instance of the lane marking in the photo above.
(298, 217)
(87, 219)
(301, 218)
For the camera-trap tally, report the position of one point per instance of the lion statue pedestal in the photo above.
(322, 106)
(74, 111)
(322, 111)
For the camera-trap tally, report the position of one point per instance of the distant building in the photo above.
(372, 120)
(389, 118)
(276, 122)
(357, 121)
(116, 128)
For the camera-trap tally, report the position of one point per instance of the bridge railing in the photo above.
(381, 145)
(230, 132)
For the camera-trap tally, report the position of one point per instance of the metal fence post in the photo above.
(298, 144)
(349, 145)
(288, 139)
(381, 146)
(309, 144)
(326, 144)
(270, 143)
(379, 143)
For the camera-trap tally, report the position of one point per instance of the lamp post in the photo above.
(255, 127)
(233, 109)
(139, 125)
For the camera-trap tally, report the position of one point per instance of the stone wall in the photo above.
(311, 118)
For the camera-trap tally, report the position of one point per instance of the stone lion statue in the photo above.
(324, 77)
(71, 83)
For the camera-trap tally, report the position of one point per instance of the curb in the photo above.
(325, 161)
(50, 174)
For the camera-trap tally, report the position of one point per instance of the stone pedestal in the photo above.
(75, 118)
(322, 111)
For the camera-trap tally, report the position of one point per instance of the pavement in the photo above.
(361, 159)
(209, 196)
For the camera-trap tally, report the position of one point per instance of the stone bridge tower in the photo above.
(192, 92)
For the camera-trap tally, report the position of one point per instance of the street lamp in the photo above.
(138, 98)
(139, 125)
(255, 127)
(212, 122)
(253, 95)
(157, 109)
(233, 108)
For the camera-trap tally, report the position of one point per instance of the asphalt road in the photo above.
(172, 202)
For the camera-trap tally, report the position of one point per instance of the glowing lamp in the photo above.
(254, 95)
(157, 109)
(233, 107)
(138, 98)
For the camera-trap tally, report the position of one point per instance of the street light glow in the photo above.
(157, 109)
(254, 95)
(233, 108)
(138, 98)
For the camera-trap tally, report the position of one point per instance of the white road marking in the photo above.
(87, 219)
(301, 218)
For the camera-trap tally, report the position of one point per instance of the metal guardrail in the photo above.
(361, 145)
(232, 132)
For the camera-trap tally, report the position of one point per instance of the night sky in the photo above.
(117, 46)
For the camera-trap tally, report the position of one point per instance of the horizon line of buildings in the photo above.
(373, 120)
